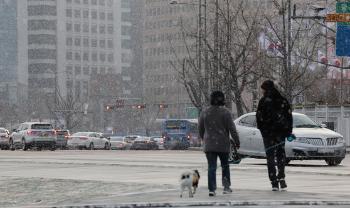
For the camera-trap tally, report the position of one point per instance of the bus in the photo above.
(184, 129)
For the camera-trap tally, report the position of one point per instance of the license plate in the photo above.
(326, 151)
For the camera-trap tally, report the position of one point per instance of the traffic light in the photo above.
(162, 106)
(141, 106)
(109, 107)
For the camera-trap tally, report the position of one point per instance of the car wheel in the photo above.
(334, 161)
(24, 145)
(91, 146)
(53, 147)
(107, 146)
(12, 146)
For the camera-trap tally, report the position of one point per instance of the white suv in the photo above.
(33, 134)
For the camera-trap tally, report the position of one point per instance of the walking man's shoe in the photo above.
(275, 186)
(212, 194)
(283, 185)
(227, 190)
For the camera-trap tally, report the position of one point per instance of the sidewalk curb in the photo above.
(217, 204)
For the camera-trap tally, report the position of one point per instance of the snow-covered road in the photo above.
(75, 177)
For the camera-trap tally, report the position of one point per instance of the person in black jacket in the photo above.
(275, 122)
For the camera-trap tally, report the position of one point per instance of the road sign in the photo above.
(338, 17)
(119, 103)
(343, 31)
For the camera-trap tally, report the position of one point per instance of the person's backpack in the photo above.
(284, 119)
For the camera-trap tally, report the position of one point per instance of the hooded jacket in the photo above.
(271, 119)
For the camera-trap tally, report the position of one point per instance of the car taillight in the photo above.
(30, 132)
(83, 138)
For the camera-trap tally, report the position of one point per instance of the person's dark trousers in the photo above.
(212, 166)
(275, 152)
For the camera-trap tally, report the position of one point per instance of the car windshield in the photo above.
(42, 126)
(302, 121)
(3, 131)
(119, 139)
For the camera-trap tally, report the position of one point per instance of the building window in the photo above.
(69, 41)
(86, 70)
(94, 2)
(77, 42)
(69, 55)
(125, 4)
(86, 56)
(110, 16)
(102, 43)
(93, 43)
(69, 70)
(110, 43)
(77, 1)
(77, 28)
(77, 13)
(94, 28)
(102, 57)
(86, 1)
(103, 29)
(109, 3)
(86, 14)
(93, 70)
(102, 16)
(69, 27)
(69, 1)
(77, 70)
(110, 58)
(85, 28)
(102, 70)
(102, 2)
(68, 12)
(86, 42)
(94, 56)
(110, 29)
(94, 14)
(77, 56)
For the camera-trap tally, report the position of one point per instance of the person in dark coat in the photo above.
(215, 127)
(275, 122)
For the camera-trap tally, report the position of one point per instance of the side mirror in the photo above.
(324, 125)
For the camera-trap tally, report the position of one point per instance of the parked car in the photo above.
(4, 138)
(144, 143)
(159, 141)
(132, 138)
(33, 134)
(313, 141)
(176, 142)
(119, 143)
(62, 138)
(88, 140)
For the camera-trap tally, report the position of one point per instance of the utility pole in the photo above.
(289, 56)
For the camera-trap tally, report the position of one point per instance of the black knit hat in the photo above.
(268, 85)
(217, 98)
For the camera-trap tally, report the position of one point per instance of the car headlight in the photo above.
(341, 140)
(301, 140)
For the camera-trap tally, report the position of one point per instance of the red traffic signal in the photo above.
(109, 107)
(140, 106)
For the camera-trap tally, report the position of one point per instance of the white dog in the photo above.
(188, 180)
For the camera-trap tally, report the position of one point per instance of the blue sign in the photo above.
(343, 31)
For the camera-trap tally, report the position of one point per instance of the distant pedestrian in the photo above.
(215, 126)
(275, 121)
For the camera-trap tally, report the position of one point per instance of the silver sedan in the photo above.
(313, 141)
